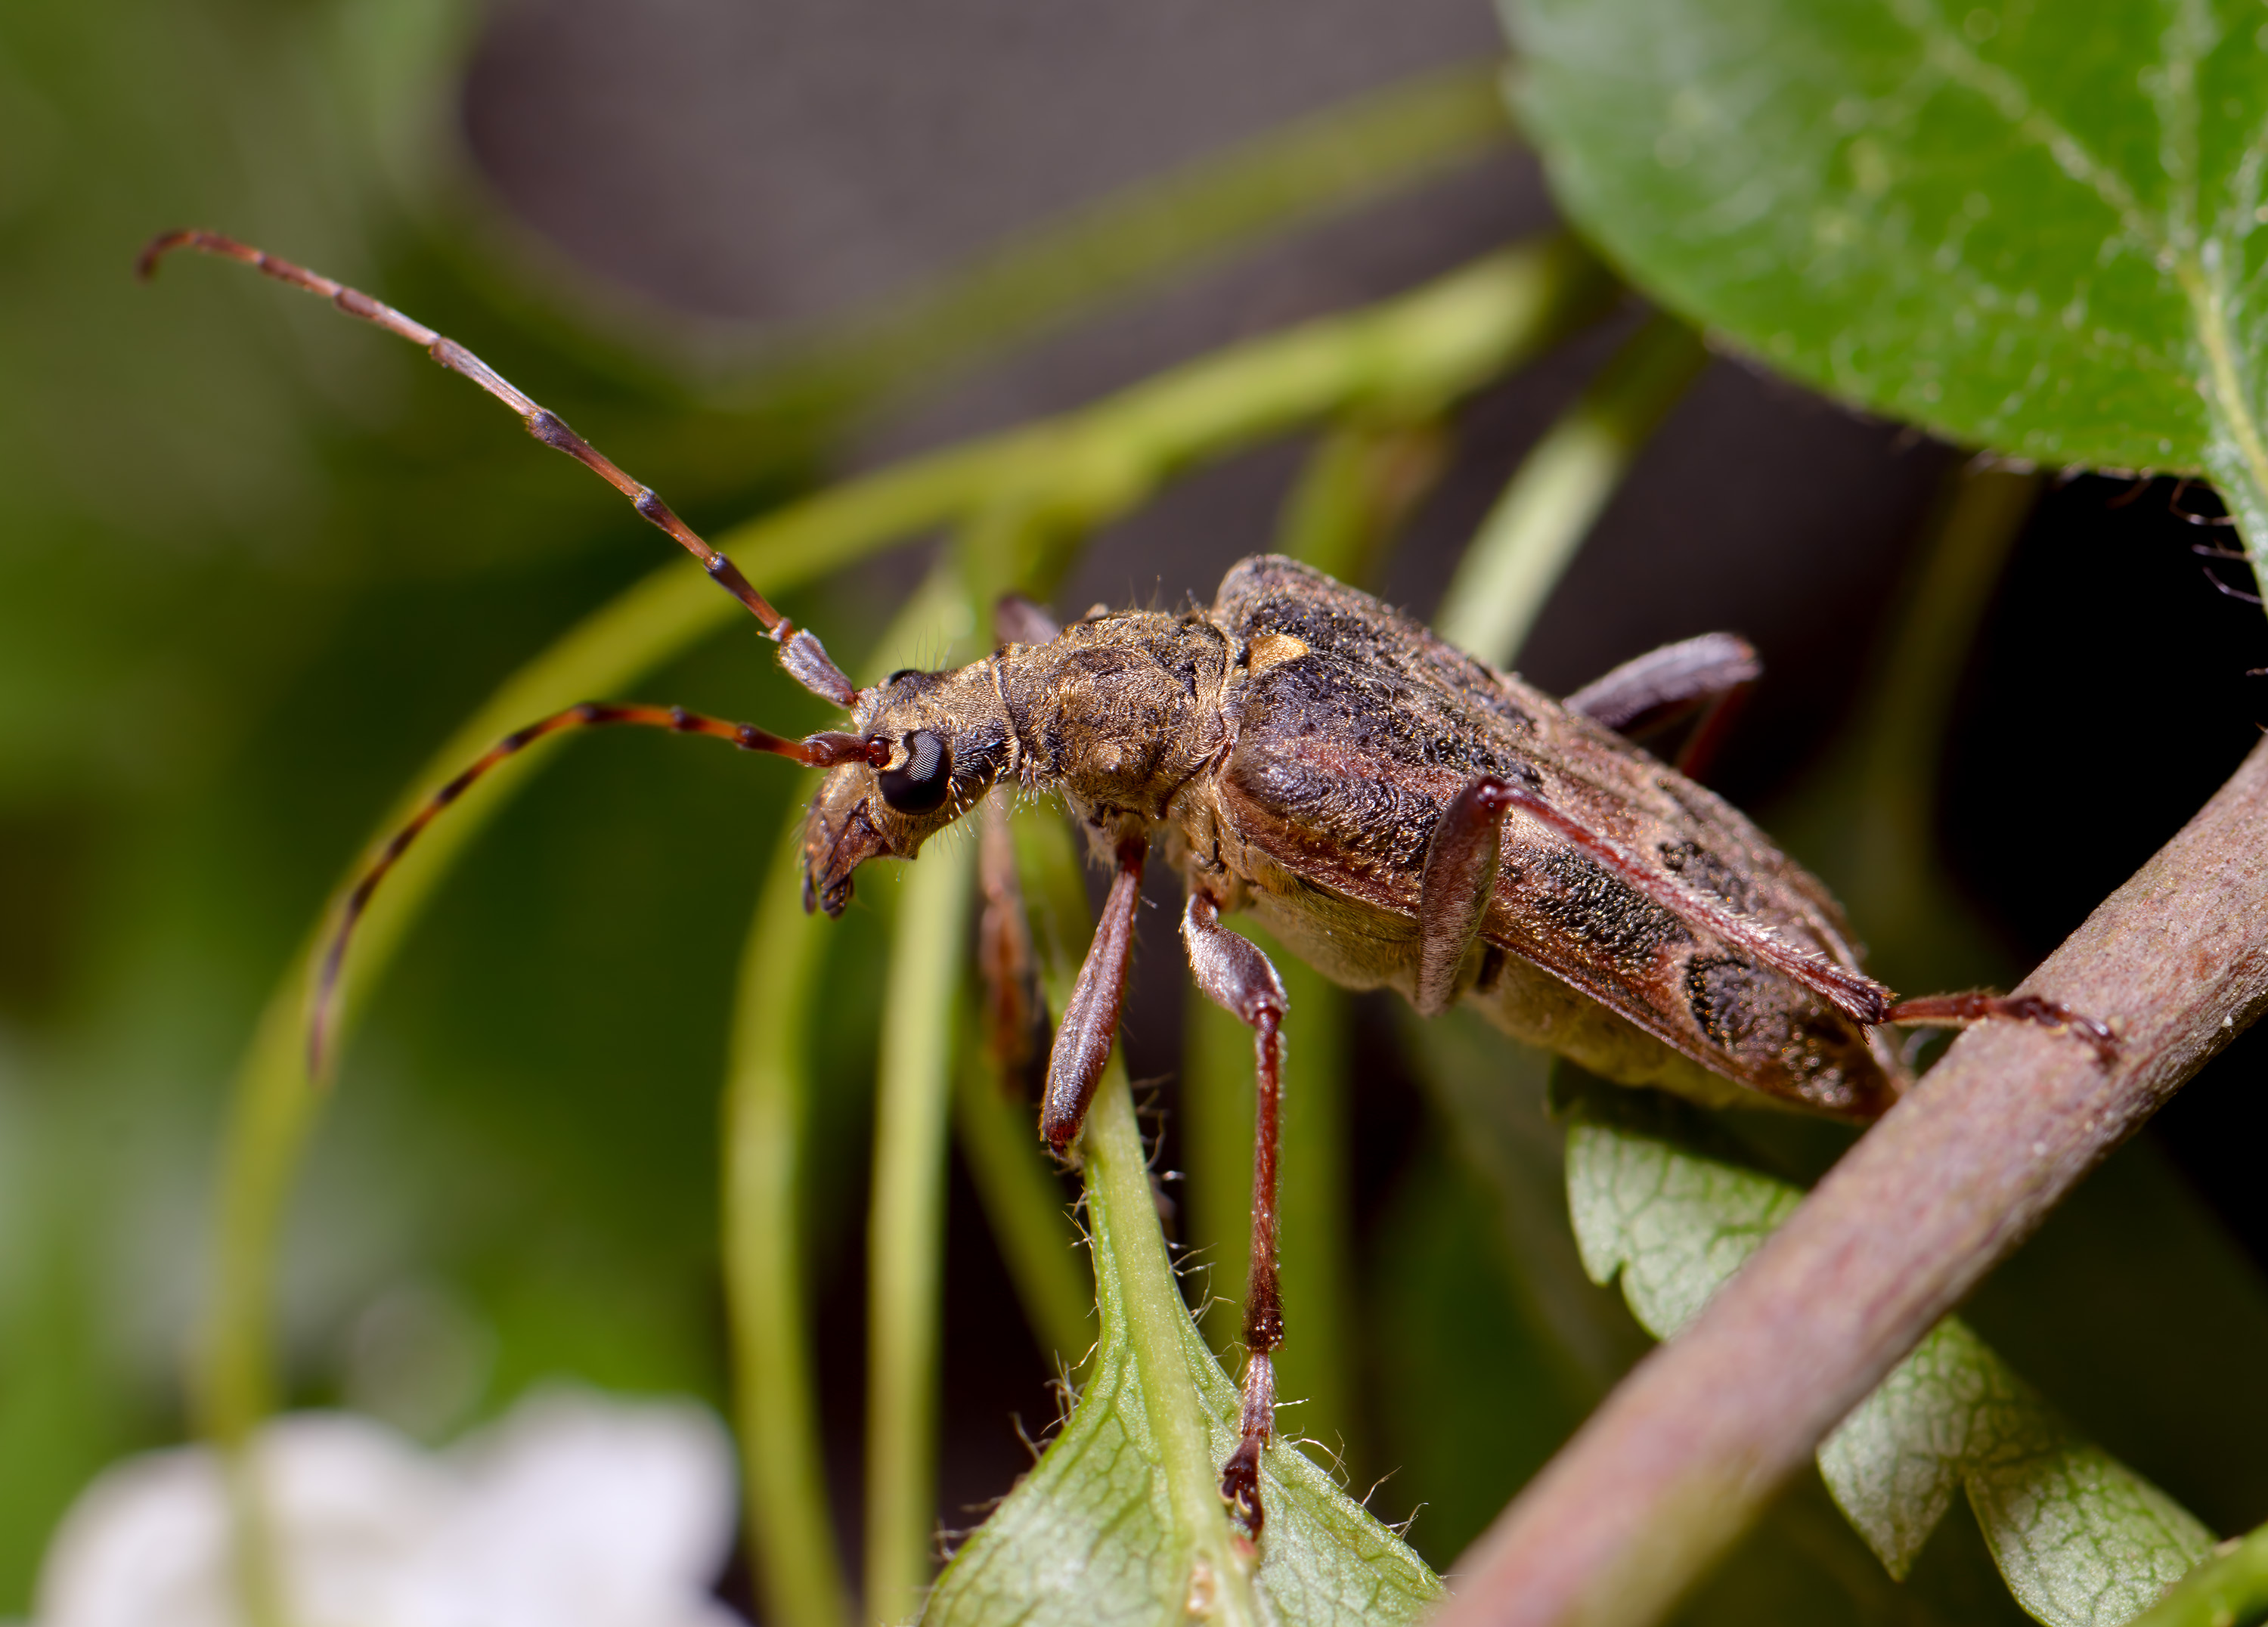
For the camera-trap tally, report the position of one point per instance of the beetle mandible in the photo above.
(1399, 813)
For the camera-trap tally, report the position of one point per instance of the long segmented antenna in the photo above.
(801, 653)
(817, 751)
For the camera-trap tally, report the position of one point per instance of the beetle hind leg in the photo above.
(1238, 977)
(1710, 675)
(1959, 1010)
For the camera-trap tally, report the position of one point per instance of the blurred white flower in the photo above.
(574, 1510)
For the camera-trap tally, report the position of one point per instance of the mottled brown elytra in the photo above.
(1401, 815)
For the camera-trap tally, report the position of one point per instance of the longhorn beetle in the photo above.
(1399, 813)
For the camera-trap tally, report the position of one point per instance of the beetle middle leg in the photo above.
(1238, 977)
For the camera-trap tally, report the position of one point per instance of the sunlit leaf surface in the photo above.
(2033, 227)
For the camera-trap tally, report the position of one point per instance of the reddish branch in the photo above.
(1682, 1457)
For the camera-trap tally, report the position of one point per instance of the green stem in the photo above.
(775, 1406)
(906, 1231)
(1360, 483)
(1026, 1208)
(1124, 1216)
(2230, 1589)
(1216, 1123)
(1559, 491)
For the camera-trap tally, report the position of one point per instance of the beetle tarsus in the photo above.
(1239, 1482)
(1960, 1011)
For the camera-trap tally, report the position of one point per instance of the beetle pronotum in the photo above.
(1399, 813)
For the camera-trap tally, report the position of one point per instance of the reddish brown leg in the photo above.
(1090, 1020)
(820, 750)
(1650, 688)
(1712, 674)
(1453, 895)
(1711, 730)
(799, 652)
(1003, 948)
(1239, 979)
(1958, 1010)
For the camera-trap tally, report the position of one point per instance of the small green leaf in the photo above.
(2035, 228)
(2081, 1540)
(1090, 1535)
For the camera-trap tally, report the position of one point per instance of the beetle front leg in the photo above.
(1453, 892)
(1090, 1020)
(1237, 977)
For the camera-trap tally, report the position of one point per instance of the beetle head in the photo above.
(936, 741)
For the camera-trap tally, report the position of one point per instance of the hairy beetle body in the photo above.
(1292, 749)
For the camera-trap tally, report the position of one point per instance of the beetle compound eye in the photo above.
(919, 785)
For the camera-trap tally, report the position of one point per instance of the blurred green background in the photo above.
(255, 561)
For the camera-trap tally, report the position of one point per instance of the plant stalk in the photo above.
(1124, 1216)
(774, 1401)
(1561, 488)
(1686, 1451)
(1026, 1211)
(905, 1261)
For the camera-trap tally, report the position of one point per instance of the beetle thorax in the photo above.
(1119, 713)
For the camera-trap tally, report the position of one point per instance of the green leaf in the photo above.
(2033, 228)
(2081, 1540)
(1090, 1534)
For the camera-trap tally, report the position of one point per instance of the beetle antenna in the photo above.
(800, 652)
(822, 750)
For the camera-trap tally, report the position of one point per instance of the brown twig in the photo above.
(1683, 1456)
